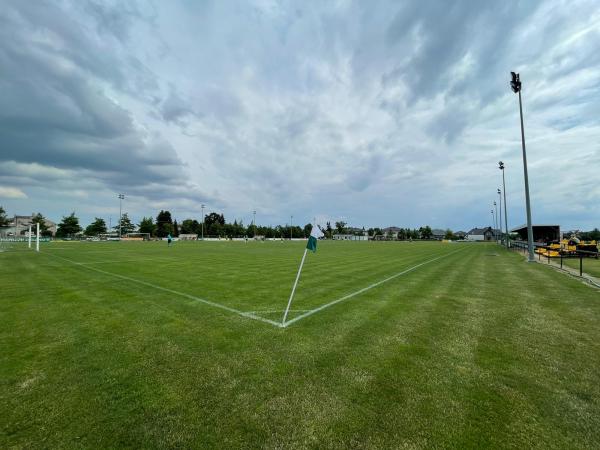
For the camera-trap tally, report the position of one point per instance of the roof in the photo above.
(533, 226)
(438, 231)
(480, 231)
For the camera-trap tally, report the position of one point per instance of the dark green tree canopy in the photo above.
(98, 226)
(69, 226)
(147, 226)
(38, 218)
(164, 224)
(3, 218)
(126, 225)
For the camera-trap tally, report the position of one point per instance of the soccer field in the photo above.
(388, 345)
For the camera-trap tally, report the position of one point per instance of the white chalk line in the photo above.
(247, 315)
(360, 291)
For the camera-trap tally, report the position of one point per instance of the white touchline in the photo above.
(360, 291)
(171, 291)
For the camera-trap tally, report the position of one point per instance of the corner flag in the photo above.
(315, 234)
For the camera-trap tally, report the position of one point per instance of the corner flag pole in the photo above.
(294, 288)
(29, 237)
(37, 237)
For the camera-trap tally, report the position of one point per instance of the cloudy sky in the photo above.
(377, 113)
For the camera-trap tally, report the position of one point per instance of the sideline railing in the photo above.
(553, 253)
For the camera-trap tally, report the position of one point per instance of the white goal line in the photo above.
(248, 315)
(360, 291)
(251, 314)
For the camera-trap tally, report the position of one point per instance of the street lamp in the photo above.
(501, 166)
(254, 222)
(121, 197)
(515, 85)
(202, 209)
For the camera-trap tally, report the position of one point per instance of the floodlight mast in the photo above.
(254, 223)
(121, 197)
(515, 85)
(496, 221)
(291, 218)
(501, 166)
(493, 220)
(500, 216)
(202, 208)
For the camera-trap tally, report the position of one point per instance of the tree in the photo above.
(425, 232)
(3, 218)
(214, 224)
(175, 229)
(164, 224)
(402, 234)
(340, 227)
(69, 226)
(126, 225)
(38, 218)
(307, 229)
(147, 225)
(189, 226)
(329, 230)
(449, 234)
(98, 226)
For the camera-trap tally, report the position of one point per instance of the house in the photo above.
(19, 225)
(480, 234)
(438, 234)
(460, 234)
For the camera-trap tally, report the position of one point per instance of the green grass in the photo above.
(591, 266)
(475, 349)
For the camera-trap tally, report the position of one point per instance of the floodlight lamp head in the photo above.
(501, 165)
(515, 83)
(499, 191)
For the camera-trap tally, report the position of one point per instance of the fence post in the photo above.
(548, 253)
(580, 265)
(561, 260)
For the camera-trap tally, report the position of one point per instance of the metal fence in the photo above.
(552, 254)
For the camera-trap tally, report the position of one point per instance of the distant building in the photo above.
(18, 226)
(480, 234)
(438, 234)
(460, 234)
(350, 237)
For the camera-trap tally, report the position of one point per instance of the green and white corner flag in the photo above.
(315, 234)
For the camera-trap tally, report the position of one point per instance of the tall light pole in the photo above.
(496, 220)
(493, 219)
(291, 218)
(121, 197)
(254, 223)
(515, 85)
(202, 208)
(501, 166)
(500, 216)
